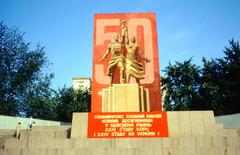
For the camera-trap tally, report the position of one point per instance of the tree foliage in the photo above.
(24, 88)
(40, 101)
(20, 70)
(214, 86)
(70, 100)
(181, 85)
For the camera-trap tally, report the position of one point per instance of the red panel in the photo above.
(141, 25)
(127, 125)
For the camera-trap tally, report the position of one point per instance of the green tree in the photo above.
(20, 71)
(220, 88)
(211, 91)
(181, 84)
(221, 84)
(70, 100)
(231, 78)
(40, 100)
(215, 86)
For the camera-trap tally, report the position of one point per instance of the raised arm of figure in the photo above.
(124, 32)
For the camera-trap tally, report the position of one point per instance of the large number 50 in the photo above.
(133, 23)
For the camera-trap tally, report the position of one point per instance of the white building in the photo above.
(81, 83)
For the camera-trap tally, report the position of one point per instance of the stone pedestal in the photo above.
(125, 98)
(180, 124)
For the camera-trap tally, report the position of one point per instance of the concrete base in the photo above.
(190, 133)
(180, 124)
(125, 98)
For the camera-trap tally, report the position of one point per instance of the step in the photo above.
(39, 143)
(40, 134)
(3, 139)
(51, 128)
(128, 151)
(45, 134)
(55, 130)
(6, 133)
(227, 132)
(238, 131)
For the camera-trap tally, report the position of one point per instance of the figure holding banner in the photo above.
(134, 61)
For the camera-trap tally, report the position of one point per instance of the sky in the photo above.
(186, 28)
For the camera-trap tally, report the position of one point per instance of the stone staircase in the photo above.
(57, 141)
(155, 146)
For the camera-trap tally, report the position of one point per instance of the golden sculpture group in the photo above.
(130, 66)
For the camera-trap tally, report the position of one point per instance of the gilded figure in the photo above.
(117, 59)
(134, 61)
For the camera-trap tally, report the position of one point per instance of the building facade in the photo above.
(81, 83)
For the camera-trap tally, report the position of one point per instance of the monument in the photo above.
(129, 41)
(126, 97)
(130, 64)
